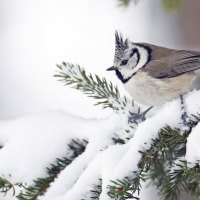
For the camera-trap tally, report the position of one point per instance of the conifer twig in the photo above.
(6, 186)
(40, 185)
(98, 88)
(157, 164)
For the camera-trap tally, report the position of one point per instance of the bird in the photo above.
(152, 74)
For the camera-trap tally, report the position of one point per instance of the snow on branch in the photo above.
(95, 87)
(6, 186)
(75, 147)
(183, 177)
(163, 163)
(116, 158)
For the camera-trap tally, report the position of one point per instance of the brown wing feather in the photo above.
(177, 63)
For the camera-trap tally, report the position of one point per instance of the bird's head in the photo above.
(129, 57)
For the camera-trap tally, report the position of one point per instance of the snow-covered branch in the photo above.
(117, 157)
(95, 87)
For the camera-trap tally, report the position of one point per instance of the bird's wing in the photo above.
(174, 65)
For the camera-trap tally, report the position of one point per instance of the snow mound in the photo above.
(30, 144)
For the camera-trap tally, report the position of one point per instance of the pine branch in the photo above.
(98, 88)
(170, 5)
(6, 186)
(125, 189)
(76, 147)
(126, 3)
(159, 173)
(95, 193)
(169, 144)
(162, 147)
(154, 164)
(181, 177)
(165, 149)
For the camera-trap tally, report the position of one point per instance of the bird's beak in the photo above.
(111, 68)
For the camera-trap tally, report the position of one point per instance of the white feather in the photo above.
(143, 57)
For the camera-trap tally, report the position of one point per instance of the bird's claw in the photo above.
(139, 117)
(186, 120)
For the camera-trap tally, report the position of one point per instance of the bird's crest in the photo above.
(120, 44)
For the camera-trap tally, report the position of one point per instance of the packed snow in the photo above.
(32, 143)
(193, 149)
(35, 35)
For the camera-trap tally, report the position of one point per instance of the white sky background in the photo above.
(35, 35)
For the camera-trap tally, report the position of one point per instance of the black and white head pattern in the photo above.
(129, 57)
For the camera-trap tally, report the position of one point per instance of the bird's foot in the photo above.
(185, 119)
(139, 117)
(186, 122)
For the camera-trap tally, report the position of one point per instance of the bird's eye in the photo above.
(124, 62)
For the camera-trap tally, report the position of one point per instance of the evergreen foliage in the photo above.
(6, 186)
(76, 147)
(156, 162)
(163, 163)
(96, 191)
(127, 2)
(104, 92)
(181, 178)
(170, 5)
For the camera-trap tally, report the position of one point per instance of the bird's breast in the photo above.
(151, 91)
